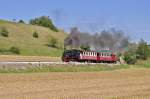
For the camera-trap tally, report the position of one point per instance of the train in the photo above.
(101, 56)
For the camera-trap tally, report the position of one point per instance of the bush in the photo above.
(44, 21)
(35, 35)
(130, 58)
(4, 51)
(53, 42)
(21, 21)
(143, 50)
(14, 50)
(4, 32)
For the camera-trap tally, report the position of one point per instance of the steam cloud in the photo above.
(112, 39)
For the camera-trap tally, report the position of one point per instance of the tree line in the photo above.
(44, 21)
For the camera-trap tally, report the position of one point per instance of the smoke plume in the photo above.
(112, 39)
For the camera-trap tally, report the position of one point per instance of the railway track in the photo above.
(57, 63)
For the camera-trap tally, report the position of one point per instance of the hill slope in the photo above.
(20, 35)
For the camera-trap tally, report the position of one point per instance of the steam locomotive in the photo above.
(102, 56)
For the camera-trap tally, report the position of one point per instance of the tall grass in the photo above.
(69, 68)
(142, 63)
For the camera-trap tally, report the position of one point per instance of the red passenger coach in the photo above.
(88, 56)
(105, 56)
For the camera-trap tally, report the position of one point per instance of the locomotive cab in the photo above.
(71, 55)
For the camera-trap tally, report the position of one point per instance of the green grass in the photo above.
(21, 36)
(68, 68)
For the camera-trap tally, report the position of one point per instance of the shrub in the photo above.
(53, 42)
(142, 50)
(44, 21)
(21, 21)
(4, 32)
(130, 58)
(14, 50)
(35, 35)
(4, 51)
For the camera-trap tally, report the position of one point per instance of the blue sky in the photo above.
(131, 16)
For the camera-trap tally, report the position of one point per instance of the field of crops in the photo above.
(126, 84)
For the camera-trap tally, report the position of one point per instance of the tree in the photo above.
(35, 35)
(44, 21)
(4, 32)
(130, 57)
(142, 50)
(21, 21)
(53, 42)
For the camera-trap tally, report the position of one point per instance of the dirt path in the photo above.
(126, 84)
(11, 58)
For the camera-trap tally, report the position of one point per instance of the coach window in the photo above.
(107, 54)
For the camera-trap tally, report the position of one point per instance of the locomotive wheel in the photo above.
(66, 59)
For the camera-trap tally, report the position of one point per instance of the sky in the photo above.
(130, 16)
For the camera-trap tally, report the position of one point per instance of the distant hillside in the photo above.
(21, 36)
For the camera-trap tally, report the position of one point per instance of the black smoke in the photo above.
(112, 39)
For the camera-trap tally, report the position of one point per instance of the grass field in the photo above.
(118, 84)
(20, 35)
(65, 68)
